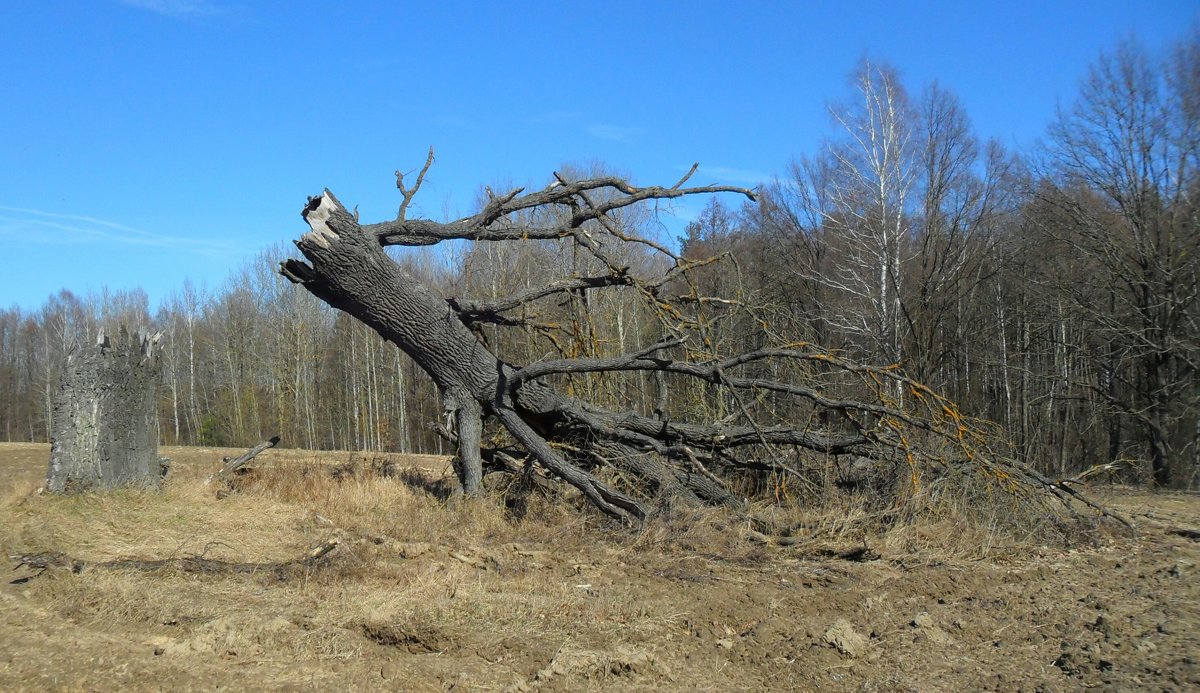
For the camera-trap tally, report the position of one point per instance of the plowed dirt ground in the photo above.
(425, 595)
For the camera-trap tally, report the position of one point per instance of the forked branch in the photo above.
(409, 193)
(489, 223)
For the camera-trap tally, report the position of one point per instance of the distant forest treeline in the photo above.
(1053, 292)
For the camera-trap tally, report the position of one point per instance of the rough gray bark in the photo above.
(349, 270)
(675, 461)
(105, 426)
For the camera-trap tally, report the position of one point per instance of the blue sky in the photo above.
(149, 141)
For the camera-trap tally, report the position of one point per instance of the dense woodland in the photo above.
(1052, 291)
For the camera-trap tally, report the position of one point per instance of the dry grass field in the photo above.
(422, 594)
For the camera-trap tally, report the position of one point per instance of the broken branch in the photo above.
(243, 460)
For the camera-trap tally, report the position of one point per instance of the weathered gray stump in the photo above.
(105, 428)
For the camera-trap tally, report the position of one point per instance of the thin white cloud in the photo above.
(37, 226)
(175, 8)
(612, 132)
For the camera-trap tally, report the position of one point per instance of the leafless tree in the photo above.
(890, 229)
(659, 454)
(1120, 196)
(860, 190)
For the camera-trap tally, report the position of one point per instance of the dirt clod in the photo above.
(848, 641)
(414, 639)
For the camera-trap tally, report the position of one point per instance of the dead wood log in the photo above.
(238, 463)
(1184, 532)
(49, 560)
(625, 461)
(818, 549)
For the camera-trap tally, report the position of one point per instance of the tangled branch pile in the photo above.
(701, 404)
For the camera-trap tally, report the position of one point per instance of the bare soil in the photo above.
(424, 594)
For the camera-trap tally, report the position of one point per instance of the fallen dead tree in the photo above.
(777, 407)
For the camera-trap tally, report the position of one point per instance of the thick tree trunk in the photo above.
(105, 426)
(350, 271)
(1158, 419)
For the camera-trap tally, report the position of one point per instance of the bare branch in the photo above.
(610, 501)
(235, 464)
(479, 310)
(615, 455)
(408, 193)
(481, 226)
(473, 309)
(686, 176)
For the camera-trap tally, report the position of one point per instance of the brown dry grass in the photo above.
(423, 593)
(292, 500)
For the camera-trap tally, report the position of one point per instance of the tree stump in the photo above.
(104, 432)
